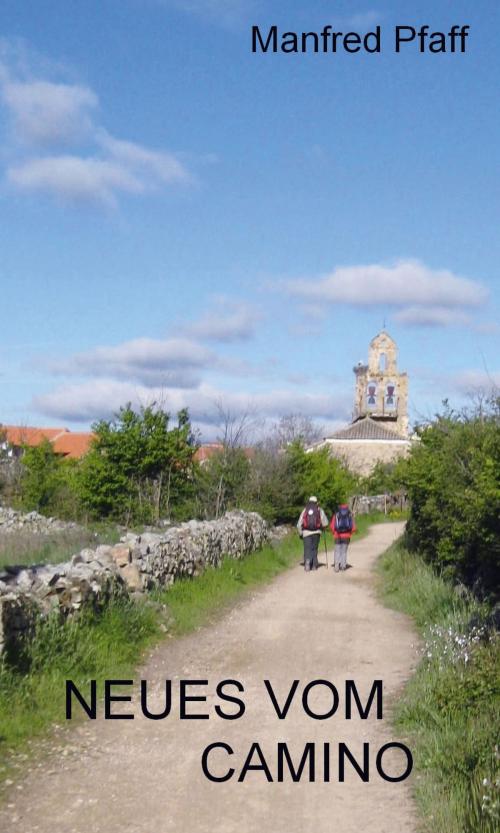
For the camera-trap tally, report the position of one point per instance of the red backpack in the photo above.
(312, 517)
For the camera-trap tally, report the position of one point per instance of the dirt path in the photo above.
(144, 776)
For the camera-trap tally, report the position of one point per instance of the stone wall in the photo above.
(138, 563)
(12, 522)
(364, 504)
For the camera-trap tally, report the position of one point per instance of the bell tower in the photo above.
(381, 390)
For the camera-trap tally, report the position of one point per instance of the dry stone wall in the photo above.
(363, 505)
(138, 563)
(12, 522)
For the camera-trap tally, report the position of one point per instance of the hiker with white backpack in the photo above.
(311, 522)
(342, 526)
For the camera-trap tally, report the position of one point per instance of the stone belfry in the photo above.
(381, 390)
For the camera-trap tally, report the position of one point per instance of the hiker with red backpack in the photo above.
(310, 524)
(342, 526)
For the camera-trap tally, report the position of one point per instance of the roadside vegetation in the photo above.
(453, 482)
(450, 709)
(29, 548)
(110, 643)
(452, 479)
(92, 646)
(445, 574)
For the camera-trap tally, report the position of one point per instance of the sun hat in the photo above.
(313, 499)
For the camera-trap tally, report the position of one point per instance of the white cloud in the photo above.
(75, 178)
(424, 296)
(362, 19)
(159, 165)
(148, 361)
(171, 362)
(102, 397)
(406, 282)
(44, 112)
(228, 321)
(45, 115)
(88, 401)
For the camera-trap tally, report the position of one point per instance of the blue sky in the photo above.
(182, 220)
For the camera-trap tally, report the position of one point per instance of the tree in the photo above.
(385, 478)
(274, 477)
(453, 481)
(293, 428)
(138, 468)
(271, 489)
(41, 478)
(281, 480)
(222, 482)
(318, 473)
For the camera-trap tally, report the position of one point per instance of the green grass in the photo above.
(195, 603)
(450, 708)
(411, 586)
(26, 548)
(364, 522)
(107, 645)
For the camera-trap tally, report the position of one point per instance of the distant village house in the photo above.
(66, 443)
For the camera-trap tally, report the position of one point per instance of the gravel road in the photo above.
(145, 776)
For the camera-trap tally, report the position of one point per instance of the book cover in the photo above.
(249, 416)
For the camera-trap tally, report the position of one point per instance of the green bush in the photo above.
(95, 646)
(221, 484)
(450, 707)
(48, 482)
(276, 482)
(138, 469)
(453, 482)
(385, 478)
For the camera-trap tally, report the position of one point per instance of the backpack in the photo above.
(312, 517)
(343, 520)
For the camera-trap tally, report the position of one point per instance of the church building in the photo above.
(379, 431)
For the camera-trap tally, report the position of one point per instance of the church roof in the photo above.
(365, 429)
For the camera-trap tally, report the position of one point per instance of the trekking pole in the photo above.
(326, 549)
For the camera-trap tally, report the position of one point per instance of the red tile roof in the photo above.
(73, 445)
(24, 435)
(205, 452)
(63, 440)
